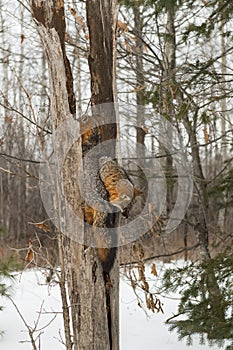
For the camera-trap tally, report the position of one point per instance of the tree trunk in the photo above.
(167, 103)
(201, 227)
(101, 20)
(140, 82)
(50, 20)
(167, 106)
(93, 293)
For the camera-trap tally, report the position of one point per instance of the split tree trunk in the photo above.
(101, 21)
(94, 305)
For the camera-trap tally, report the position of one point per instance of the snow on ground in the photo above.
(30, 294)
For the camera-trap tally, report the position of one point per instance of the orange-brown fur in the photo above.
(110, 185)
(103, 254)
(89, 214)
(91, 136)
(86, 135)
(111, 176)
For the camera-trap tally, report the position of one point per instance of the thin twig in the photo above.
(164, 255)
(30, 330)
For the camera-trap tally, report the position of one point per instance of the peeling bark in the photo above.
(93, 294)
(50, 15)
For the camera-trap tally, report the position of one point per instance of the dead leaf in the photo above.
(145, 48)
(78, 18)
(22, 38)
(123, 26)
(138, 88)
(30, 254)
(8, 119)
(72, 11)
(41, 225)
(153, 270)
(127, 46)
(206, 135)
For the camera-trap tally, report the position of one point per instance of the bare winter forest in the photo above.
(167, 68)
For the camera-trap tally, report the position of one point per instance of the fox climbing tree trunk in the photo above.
(93, 295)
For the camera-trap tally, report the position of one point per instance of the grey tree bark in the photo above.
(94, 302)
(167, 94)
(140, 95)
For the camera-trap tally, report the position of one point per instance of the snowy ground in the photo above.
(138, 331)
